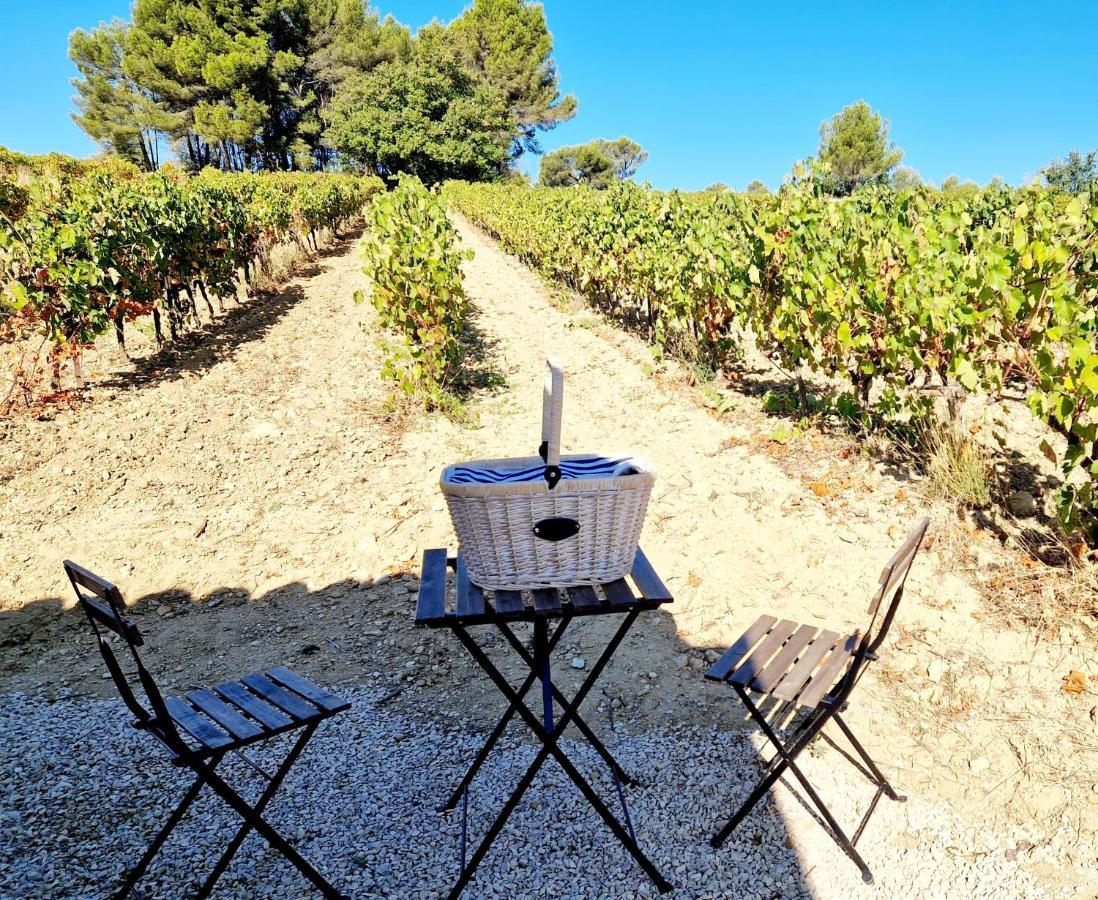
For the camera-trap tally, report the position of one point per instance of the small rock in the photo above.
(1022, 504)
(935, 670)
(979, 764)
(682, 661)
(578, 662)
(164, 610)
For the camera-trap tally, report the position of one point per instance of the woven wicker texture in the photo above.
(495, 522)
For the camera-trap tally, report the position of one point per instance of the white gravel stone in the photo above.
(81, 793)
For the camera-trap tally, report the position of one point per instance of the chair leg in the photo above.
(882, 782)
(788, 757)
(276, 840)
(245, 829)
(135, 874)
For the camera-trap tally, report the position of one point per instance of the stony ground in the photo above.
(258, 503)
(361, 805)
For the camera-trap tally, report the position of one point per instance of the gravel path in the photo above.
(83, 793)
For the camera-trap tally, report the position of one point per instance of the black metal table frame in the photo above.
(548, 733)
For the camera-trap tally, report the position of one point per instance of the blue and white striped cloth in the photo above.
(577, 467)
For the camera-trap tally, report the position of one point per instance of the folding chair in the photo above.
(199, 730)
(815, 670)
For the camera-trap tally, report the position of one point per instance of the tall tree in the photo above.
(598, 163)
(111, 107)
(855, 148)
(1074, 174)
(429, 116)
(346, 38)
(757, 187)
(906, 179)
(509, 43)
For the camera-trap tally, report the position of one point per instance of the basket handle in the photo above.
(551, 409)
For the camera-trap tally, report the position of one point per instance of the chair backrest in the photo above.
(104, 606)
(890, 587)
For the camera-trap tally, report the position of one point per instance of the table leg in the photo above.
(541, 655)
(501, 726)
(562, 701)
(550, 747)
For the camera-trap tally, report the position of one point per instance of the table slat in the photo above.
(546, 600)
(584, 598)
(509, 603)
(646, 579)
(619, 594)
(431, 604)
(470, 597)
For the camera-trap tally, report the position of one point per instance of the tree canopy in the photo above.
(271, 84)
(855, 149)
(509, 43)
(428, 116)
(906, 178)
(598, 163)
(111, 107)
(1074, 174)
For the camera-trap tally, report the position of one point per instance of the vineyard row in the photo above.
(84, 250)
(893, 293)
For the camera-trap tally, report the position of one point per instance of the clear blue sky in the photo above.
(727, 91)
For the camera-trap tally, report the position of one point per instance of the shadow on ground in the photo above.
(357, 636)
(200, 349)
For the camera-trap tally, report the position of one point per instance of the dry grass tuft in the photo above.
(958, 469)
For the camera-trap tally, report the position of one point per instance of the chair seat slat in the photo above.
(754, 665)
(314, 693)
(200, 728)
(264, 713)
(779, 665)
(225, 716)
(828, 673)
(278, 696)
(720, 670)
(797, 677)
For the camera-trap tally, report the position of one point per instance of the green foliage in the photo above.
(244, 85)
(906, 179)
(112, 109)
(237, 84)
(413, 263)
(757, 187)
(102, 245)
(598, 163)
(892, 292)
(508, 42)
(855, 150)
(1073, 175)
(430, 117)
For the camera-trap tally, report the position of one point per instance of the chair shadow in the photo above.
(46, 647)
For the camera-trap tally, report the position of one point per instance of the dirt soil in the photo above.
(258, 502)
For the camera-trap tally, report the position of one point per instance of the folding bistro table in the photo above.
(473, 606)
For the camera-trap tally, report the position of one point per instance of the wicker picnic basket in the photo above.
(548, 521)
